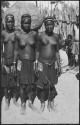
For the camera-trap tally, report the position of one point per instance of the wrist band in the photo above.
(14, 62)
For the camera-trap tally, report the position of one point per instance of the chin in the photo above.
(10, 28)
(50, 31)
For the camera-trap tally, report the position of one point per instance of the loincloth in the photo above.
(47, 75)
(26, 72)
(7, 77)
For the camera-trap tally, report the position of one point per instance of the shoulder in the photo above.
(34, 33)
(17, 29)
(56, 36)
(17, 32)
(41, 34)
(3, 32)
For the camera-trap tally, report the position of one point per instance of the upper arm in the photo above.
(73, 30)
(60, 41)
(16, 42)
(2, 39)
(16, 47)
(37, 41)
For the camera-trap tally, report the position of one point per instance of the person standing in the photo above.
(68, 44)
(48, 63)
(75, 49)
(8, 82)
(25, 50)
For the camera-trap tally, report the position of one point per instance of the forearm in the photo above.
(58, 60)
(57, 57)
(15, 56)
(2, 56)
(37, 55)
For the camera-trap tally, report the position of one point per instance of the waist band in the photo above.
(26, 57)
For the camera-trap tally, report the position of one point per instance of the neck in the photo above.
(49, 33)
(10, 31)
(26, 31)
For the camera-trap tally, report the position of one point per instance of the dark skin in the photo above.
(25, 47)
(49, 48)
(8, 40)
(26, 42)
(49, 43)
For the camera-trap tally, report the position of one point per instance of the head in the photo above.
(49, 24)
(26, 22)
(77, 19)
(69, 37)
(9, 21)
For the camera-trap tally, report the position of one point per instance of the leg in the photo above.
(42, 95)
(7, 100)
(52, 94)
(23, 99)
(1, 94)
(69, 58)
(15, 95)
(31, 92)
(72, 59)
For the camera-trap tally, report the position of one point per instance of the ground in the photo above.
(66, 108)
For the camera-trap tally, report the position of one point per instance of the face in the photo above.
(77, 19)
(49, 26)
(26, 24)
(69, 38)
(10, 24)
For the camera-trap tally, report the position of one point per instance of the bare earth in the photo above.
(66, 109)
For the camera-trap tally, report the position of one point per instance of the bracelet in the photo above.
(14, 62)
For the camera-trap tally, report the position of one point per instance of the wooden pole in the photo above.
(36, 3)
(51, 8)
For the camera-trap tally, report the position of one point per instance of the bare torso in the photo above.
(26, 45)
(48, 48)
(8, 41)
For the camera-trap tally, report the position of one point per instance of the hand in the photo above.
(59, 71)
(36, 66)
(13, 69)
(76, 58)
(40, 66)
(19, 65)
(56, 65)
(6, 68)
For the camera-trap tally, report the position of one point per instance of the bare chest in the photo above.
(25, 39)
(9, 38)
(49, 41)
